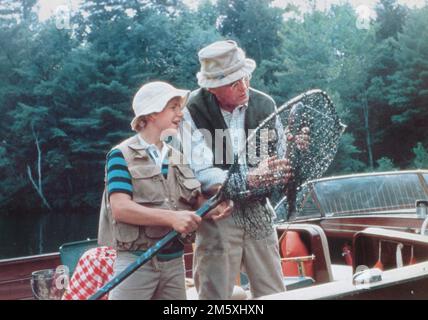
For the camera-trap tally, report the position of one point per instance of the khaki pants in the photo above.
(155, 280)
(222, 248)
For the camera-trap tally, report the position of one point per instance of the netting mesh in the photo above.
(313, 110)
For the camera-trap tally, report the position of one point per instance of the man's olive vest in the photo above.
(206, 114)
(178, 192)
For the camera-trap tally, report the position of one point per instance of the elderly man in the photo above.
(225, 101)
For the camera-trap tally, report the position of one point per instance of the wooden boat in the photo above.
(371, 219)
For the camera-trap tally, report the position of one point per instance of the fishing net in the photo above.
(278, 135)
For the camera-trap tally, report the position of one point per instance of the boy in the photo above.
(148, 193)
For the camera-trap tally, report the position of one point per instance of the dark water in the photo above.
(24, 235)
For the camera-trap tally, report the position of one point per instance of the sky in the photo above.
(323, 4)
(48, 7)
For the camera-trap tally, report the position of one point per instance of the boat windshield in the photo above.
(389, 193)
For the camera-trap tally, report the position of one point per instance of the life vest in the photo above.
(151, 189)
(291, 246)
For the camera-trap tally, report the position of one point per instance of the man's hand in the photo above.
(223, 210)
(302, 139)
(185, 222)
(210, 192)
(270, 171)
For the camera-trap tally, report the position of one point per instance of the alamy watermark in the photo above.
(63, 17)
(365, 15)
(62, 277)
(200, 147)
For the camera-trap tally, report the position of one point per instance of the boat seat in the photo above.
(314, 238)
(71, 252)
(295, 258)
(388, 249)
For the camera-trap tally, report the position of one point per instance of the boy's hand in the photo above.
(185, 222)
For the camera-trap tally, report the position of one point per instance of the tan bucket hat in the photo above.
(222, 63)
(153, 97)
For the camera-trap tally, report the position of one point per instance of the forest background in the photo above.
(66, 86)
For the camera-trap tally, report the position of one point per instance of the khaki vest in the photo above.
(178, 192)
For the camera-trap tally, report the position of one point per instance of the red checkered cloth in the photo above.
(94, 269)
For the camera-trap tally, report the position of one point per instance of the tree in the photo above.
(346, 160)
(65, 95)
(385, 164)
(408, 91)
(255, 24)
(390, 19)
(383, 65)
(38, 186)
(356, 46)
(206, 16)
(22, 11)
(420, 161)
(77, 87)
(30, 121)
(326, 50)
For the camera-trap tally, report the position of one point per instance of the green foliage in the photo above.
(346, 160)
(407, 92)
(71, 90)
(254, 23)
(390, 18)
(385, 164)
(420, 160)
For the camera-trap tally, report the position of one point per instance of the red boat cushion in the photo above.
(291, 245)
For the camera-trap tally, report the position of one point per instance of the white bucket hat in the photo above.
(222, 63)
(153, 97)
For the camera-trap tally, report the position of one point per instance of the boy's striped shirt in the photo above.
(118, 176)
(165, 166)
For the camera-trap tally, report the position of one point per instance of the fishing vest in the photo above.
(150, 189)
(206, 114)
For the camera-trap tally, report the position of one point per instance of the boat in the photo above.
(360, 236)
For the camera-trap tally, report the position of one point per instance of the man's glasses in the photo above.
(243, 81)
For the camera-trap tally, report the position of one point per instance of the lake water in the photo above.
(24, 235)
